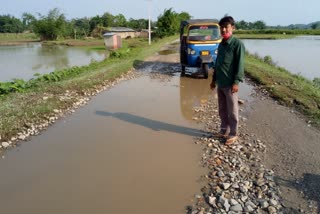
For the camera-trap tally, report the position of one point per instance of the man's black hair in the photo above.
(227, 20)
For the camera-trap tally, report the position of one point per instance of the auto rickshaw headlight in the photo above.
(191, 51)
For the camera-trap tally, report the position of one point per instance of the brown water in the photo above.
(130, 150)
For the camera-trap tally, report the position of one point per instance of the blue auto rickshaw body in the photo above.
(199, 41)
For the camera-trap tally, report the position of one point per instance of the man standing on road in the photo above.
(229, 72)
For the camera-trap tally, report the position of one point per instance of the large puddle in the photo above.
(130, 150)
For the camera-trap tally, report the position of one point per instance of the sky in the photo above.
(272, 12)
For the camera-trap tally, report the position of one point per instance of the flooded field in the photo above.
(34, 58)
(298, 55)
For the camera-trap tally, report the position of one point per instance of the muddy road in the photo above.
(132, 149)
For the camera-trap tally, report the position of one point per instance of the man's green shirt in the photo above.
(229, 68)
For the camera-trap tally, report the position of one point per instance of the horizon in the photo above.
(272, 13)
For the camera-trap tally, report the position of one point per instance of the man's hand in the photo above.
(235, 88)
(212, 85)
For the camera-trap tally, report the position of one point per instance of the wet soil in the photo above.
(293, 152)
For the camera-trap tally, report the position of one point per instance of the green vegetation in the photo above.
(280, 31)
(263, 36)
(35, 101)
(291, 90)
(274, 33)
(50, 27)
(17, 37)
(54, 25)
(169, 23)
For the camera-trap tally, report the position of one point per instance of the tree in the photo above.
(52, 26)
(10, 24)
(242, 25)
(138, 24)
(168, 23)
(81, 26)
(184, 16)
(95, 22)
(119, 21)
(259, 25)
(315, 25)
(107, 19)
(28, 20)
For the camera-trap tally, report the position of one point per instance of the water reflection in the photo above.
(34, 58)
(196, 91)
(193, 93)
(51, 56)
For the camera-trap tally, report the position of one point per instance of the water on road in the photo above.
(130, 150)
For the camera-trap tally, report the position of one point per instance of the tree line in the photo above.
(54, 25)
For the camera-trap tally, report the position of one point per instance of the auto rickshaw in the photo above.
(199, 41)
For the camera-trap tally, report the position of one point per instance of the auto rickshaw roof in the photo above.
(198, 21)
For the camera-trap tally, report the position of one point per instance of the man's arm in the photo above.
(239, 61)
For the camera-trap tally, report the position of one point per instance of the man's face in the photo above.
(226, 28)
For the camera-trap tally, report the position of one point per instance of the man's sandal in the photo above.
(220, 135)
(231, 140)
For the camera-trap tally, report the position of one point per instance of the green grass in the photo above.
(291, 90)
(264, 36)
(17, 36)
(36, 103)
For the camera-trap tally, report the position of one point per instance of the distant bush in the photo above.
(316, 82)
(268, 59)
(280, 31)
(120, 53)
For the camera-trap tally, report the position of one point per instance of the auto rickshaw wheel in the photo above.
(205, 70)
(183, 70)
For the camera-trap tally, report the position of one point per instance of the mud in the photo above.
(293, 149)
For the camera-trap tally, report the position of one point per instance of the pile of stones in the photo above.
(236, 180)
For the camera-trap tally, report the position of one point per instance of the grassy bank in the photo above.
(291, 90)
(17, 38)
(26, 104)
(264, 36)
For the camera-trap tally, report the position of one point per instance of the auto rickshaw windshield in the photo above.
(204, 33)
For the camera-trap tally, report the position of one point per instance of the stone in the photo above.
(273, 202)
(233, 202)
(236, 208)
(226, 185)
(264, 204)
(212, 201)
(272, 210)
(5, 144)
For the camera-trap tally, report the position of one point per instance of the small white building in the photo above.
(112, 41)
